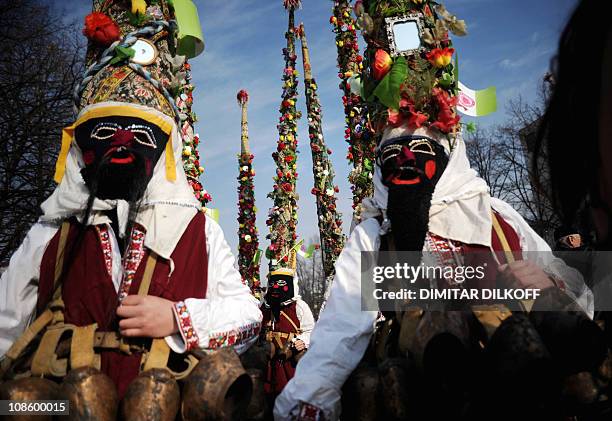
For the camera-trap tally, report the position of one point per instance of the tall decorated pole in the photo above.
(191, 140)
(358, 131)
(329, 219)
(282, 218)
(248, 242)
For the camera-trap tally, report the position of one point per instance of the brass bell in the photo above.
(154, 394)
(92, 395)
(217, 389)
(29, 389)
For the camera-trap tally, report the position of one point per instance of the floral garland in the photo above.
(330, 220)
(419, 90)
(282, 217)
(248, 242)
(358, 132)
(191, 140)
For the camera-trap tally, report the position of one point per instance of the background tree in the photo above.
(503, 155)
(39, 66)
(312, 281)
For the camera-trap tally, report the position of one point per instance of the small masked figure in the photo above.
(287, 324)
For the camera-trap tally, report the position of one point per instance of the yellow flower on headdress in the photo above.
(139, 6)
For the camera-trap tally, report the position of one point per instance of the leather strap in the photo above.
(45, 360)
(527, 304)
(57, 303)
(502, 239)
(82, 347)
(297, 329)
(158, 356)
(30, 333)
(145, 284)
(46, 316)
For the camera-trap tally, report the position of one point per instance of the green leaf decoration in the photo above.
(122, 54)
(388, 90)
(471, 127)
(367, 164)
(446, 80)
(137, 19)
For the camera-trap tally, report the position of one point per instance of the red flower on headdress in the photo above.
(447, 117)
(242, 97)
(382, 64)
(101, 29)
(407, 114)
(440, 57)
(287, 187)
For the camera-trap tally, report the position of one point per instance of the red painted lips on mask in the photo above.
(121, 139)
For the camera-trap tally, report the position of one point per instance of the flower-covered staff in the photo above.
(426, 199)
(330, 220)
(248, 242)
(123, 272)
(282, 218)
(358, 131)
(191, 140)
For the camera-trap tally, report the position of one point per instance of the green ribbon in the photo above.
(190, 38)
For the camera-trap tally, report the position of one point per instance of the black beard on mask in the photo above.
(408, 212)
(275, 307)
(112, 181)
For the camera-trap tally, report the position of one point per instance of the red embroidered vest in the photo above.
(283, 325)
(90, 297)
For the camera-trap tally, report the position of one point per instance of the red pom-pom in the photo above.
(242, 97)
(101, 29)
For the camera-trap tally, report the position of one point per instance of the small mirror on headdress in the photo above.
(145, 52)
(404, 33)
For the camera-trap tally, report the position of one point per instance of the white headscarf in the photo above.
(461, 204)
(167, 206)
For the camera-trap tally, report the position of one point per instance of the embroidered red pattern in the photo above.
(447, 253)
(310, 412)
(186, 326)
(107, 251)
(133, 257)
(235, 336)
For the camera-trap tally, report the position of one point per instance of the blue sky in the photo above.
(510, 44)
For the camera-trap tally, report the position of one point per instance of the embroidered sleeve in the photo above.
(241, 336)
(308, 412)
(186, 329)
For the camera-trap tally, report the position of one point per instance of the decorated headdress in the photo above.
(410, 77)
(136, 61)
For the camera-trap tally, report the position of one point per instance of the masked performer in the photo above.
(287, 324)
(426, 198)
(123, 252)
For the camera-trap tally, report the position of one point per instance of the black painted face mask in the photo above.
(410, 166)
(120, 154)
(411, 161)
(280, 290)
